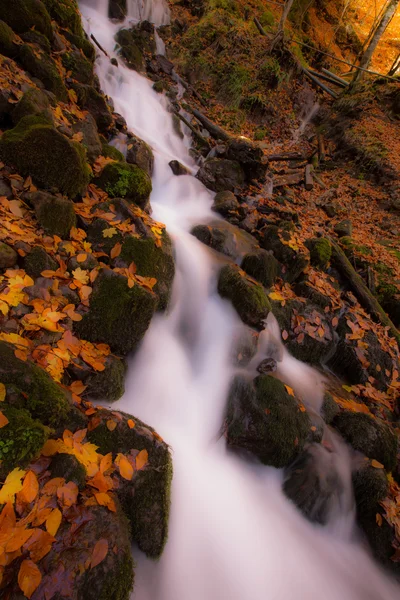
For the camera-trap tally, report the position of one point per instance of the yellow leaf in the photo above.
(2, 392)
(72, 95)
(111, 424)
(376, 464)
(12, 485)
(108, 233)
(347, 388)
(77, 137)
(53, 521)
(141, 459)
(3, 420)
(81, 275)
(30, 487)
(289, 390)
(29, 577)
(276, 296)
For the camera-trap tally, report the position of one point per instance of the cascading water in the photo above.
(232, 534)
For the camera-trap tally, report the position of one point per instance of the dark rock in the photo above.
(135, 43)
(329, 408)
(266, 366)
(370, 487)
(262, 266)
(37, 261)
(88, 264)
(22, 15)
(165, 65)
(224, 203)
(344, 228)
(225, 238)
(91, 140)
(66, 13)
(320, 252)
(118, 315)
(69, 468)
(107, 385)
(117, 9)
(101, 243)
(177, 168)
(249, 156)
(248, 298)
(8, 47)
(34, 37)
(220, 174)
(56, 215)
(81, 68)
(278, 240)
(8, 256)
(90, 99)
(42, 66)
(139, 153)
(33, 102)
(265, 420)
(5, 189)
(244, 346)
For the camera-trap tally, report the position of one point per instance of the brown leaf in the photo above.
(99, 553)
(111, 424)
(17, 539)
(68, 494)
(39, 544)
(29, 577)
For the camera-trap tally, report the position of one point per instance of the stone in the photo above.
(37, 261)
(56, 215)
(135, 43)
(344, 228)
(295, 261)
(33, 102)
(263, 266)
(117, 9)
(91, 140)
(8, 47)
(320, 252)
(225, 238)
(122, 180)
(177, 168)
(225, 202)
(220, 174)
(90, 99)
(8, 256)
(107, 385)
(249, 156)
(66, 13)
(41, 65)
(139, 153)
(22, 15)
(81, 68)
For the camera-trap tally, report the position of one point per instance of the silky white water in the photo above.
(233, 534)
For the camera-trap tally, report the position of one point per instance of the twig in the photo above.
(98, 45)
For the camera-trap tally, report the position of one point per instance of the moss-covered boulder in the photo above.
(320, 252)
(21, 439)
(121, 180)
(90, 99)
(249, 156)
(8, 47)
(329, 408)
(44, 399)
(107, 385)
(110, 151)
(265, 420)
(388, 296)
(152, 261)
(66, 13)
(286, 251)
(220, 174)
(135, 43)
(91, 139)
(118, 315)
(370, 487)
(33, 102)
(139, 153)
(225, 238)
(56, 215)
(37, 260)
(247, 297)
(89, 263)
(225, 202)
(263, 266)
(117, 9)
(81, 68)
(42, 66)
(35, 37)
(368, 435)
(82, 43)
(22, 15)
(8, 256)
(344, 228)
(35, 148)
(146, 498)
(97, 236)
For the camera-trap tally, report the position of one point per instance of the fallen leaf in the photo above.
(99, 553)
(131, 423)
(12, 485)
(376, 464)
(142, 459)
(29, 577)
(379, 519)
(116, 250)
(53, 521)
(30, 487)
(111, 424)
(2, 392)
(3, 420)
(125, 467)
(285, 334)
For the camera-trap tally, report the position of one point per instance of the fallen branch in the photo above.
(261, 28)
(334, 76)
(217, 132)
(188, 87)
(293, 179)
(367, 300)
(192, 128)
(285, 156)
(321, 148)
(98, 45)
(327, 78)
(320, 84)
(308, 178)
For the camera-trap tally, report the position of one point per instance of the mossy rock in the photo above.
(89, 263)
(22, 15)
(36, 149)
(160, 86)
(225, 203)
(37, 261)
(152, 261)
(81, 68)
(145, 499)
(42, 66)
(66, 13)
(100, 242)
(56, 215)
(91, 139)
(44, 400)
(370, 487)
(21, 439)
(248, 298)
(305, 290)
(82, 43)
(262, 418)
(8, 47)
(33, 102)
(107, 385)
(117, 9)
(35, 37)
(111, 152)
(329, 408)
(118, 315)
(90, 99)
(368, 435)
(263, 266)
(344, 228)
(121, 180)
(388, 296)
(220, 174)
(68, 467)
(8, 256)
(135, 43)
(320, 252)
(139, 153)
(278, 239)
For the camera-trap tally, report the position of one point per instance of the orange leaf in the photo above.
(142, 459)
(39, 544)
(29, 577)
(3, 420)
(100, 551)
(131, 423)
(376, 464)
(106, 500)
(30, 487)
(106, 463)
(116, 250)
(81, 257)
(68, 494)
(111, 425)
(51, 487)
(125, 467)
(285, 334)
(100, 482)
(335, 322)
(17, 539)
(53, 521)
(289, 390)
(378, 519)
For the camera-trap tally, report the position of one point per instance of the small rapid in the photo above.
(233, 533)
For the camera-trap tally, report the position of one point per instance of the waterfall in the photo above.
(233, 534)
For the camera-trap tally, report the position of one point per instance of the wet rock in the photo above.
(368, 435)
(37, 261)
(56, 215)
(244, 346)
(118, 315)
(306, 290)
(42, 66)
(22, 15)
(8, 256)
(370, 487)
(344, 228)
(329, 408)
(101, 243)
(250, 222)
(38, 150)
(69, 468)
(224, 203)
(266, 366)
(117, 9)
(35, 37)
(90, 99)
(278, 240)
(248, 298)
(81, 43)
(164, 64)
(249, 156)
(225, 238)
(66, 13)
(220, 174)
(139, 153)
(263, 266)
(122, 180)
(90, 140)
(135, 43)
(146, 498)
(110, 151)
(81, 68)
(265, 420)
(320, 252)
(33, 102)
(177, 168)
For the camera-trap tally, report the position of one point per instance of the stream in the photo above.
(233, 534)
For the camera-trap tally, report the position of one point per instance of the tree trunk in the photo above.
(395, 67)
(383, 23)
(279, 34)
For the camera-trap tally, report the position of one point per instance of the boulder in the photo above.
(287, 252)
(368, 435)
(33, 102)
(8, 256)
(122, 180)
(135, 43)
(35, 37)
(263, 266)
(90, 99)
(41, 65)
(177, 168)
(66, 13)
(139, 153)
(320, 252)
(344, 228)
(225, 238)
(81, 68)
(100, 242)
(90, 140)
(22, 15)
(36, 149)
(329, 408)
(262, 418)
(220, 174)
(117, 9)
(37, 260)
(56, 215)
(110, 151)
(107, 385)
(225, 202)
(8, 47)
(370, 487)
(249, 156)
(248, 298)
(82, 43)
(117, 315)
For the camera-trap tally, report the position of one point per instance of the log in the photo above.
(293, 179)
(308, 178)
(285, 156)
(98, 45)
(334, 76)
(366, 299)
(192, 128)
(261, 28)
(319, 83)
(217, 132)
(327, 78)
(188, 87)
(321, 148)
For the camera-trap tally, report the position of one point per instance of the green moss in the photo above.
(320, 252)
(232, 85)
(21, 439)
(56, 216)
(45, 400)
(36, 149)
(81, 43)
(8, 256)
(22, 15)
(262, 266)
(42, 66)
(33, 102)
(160, 86)
(81, 69)
(90, 99)
(34, 37)
(121, 180)
(370, 487)
(37, 261)
(329, 408)
(99, 241)
(152, 261)
(110, 152)
(118, 315)
(270, 73)
(267, 19)
(68, 467)
(107, 385)
(247, 297)
(260, 133)
(66, 13)
(7, 39)
(117, 583)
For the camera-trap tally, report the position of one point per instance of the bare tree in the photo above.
(380, 29)
(395, 67)
(280, 33)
